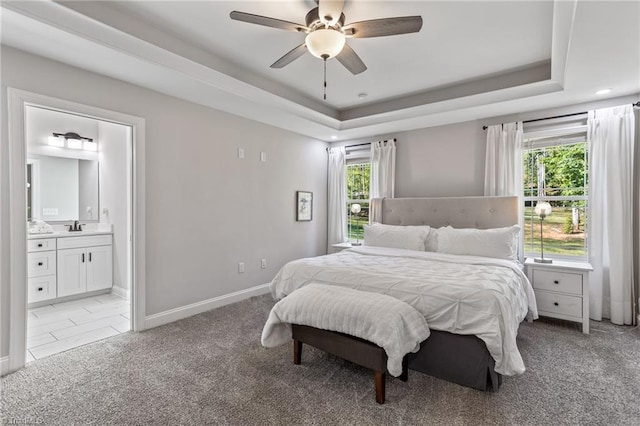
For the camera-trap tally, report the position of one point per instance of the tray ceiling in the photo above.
(471, 58)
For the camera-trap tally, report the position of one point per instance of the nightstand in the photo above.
(338, 247)
(562, 289)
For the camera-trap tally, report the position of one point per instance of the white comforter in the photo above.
(458, 294)
(384, 320)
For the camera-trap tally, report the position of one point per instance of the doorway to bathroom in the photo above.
(79, 227)
(100, 283)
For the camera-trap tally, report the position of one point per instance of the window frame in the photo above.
(551, 139)
(356, 156)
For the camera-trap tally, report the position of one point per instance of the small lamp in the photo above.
(542, 209)
(355, 209)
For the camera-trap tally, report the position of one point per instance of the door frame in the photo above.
(17, 102)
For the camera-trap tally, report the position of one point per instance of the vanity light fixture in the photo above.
(56, 141)
(73, 141)
(90, 146)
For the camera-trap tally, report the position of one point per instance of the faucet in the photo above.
(77, 226)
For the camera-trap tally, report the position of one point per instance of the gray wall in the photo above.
(115, 194)
(437, 161)
(207, 210)
(441, 161)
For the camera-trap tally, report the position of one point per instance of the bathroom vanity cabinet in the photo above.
(69, 265)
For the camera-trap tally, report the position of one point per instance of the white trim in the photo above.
(120, 292)
(4, 365)
(176, 314)
(17, 100)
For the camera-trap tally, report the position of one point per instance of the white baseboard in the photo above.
(4, 365)
(120, 292)
(206, 305)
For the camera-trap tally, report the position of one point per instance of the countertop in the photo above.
(64, 234)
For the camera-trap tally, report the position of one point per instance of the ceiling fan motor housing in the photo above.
(313, 19)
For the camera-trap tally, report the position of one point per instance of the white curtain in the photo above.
(503, 166)
(383, 169)
(610, 134)
(503, 161)
(337, 197)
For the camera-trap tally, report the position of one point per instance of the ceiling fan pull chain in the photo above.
(324, 57)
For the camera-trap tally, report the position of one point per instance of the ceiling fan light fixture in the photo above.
(325, 42)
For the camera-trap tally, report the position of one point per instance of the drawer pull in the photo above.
(40, 263)
(556, 303)
(556, 282)
(39, 244)
(89, 256)
(82, 257)
(40, 288)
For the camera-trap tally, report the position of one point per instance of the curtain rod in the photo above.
(637, 104)
(363, 144)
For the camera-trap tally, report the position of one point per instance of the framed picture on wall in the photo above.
(304, 205)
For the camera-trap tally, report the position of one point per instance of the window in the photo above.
(556, 170)
(357, 193)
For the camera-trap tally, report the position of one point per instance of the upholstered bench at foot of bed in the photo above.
(353, 349)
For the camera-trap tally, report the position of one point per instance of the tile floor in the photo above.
(62, 326)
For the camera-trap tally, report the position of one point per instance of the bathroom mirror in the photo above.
(62, 189)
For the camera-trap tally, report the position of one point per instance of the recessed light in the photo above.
(362, 95)
(603, 91)
(334, 137)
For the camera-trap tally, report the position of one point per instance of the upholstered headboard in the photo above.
(459, 212)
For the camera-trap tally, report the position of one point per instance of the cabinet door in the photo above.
(72, 271)
(99, 268)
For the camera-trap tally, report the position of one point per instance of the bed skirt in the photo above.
(460, 359)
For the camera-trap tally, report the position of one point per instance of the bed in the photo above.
(472, 304)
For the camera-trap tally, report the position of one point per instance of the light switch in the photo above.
(263, 156)
(50, 212)
(240, 152)
(263, 263)
(241, 267)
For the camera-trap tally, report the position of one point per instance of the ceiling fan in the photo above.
(327, 33)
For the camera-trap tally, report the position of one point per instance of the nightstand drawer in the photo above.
(559, 304)
(564, 282)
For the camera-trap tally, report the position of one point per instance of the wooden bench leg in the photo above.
(380, 382)
(405, 369)
(297, 351)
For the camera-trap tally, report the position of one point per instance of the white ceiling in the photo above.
(472, 59)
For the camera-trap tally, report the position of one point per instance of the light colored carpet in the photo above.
(211, 369)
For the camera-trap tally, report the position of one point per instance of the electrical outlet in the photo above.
(241, 267)
(240, 152)
(263, 263)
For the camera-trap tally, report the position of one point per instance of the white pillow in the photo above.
(501, 243)
(403, 237)
(431, 243)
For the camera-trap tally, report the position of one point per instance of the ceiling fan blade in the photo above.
(351, 60)
(290, 56)
(267, 22)
(330, 10)
(385, 27)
